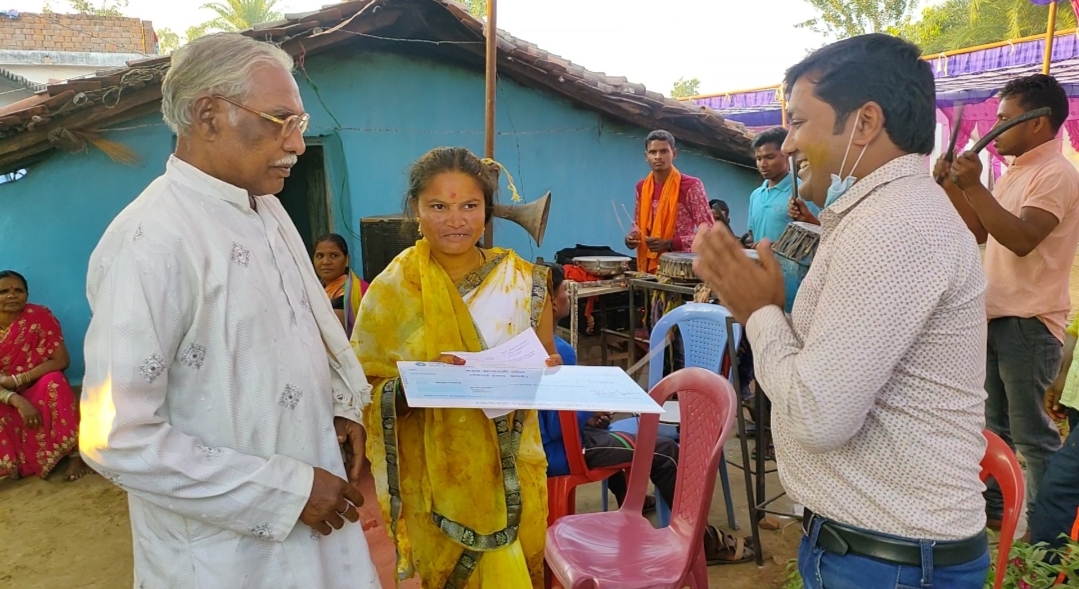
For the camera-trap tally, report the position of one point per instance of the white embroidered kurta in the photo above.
(210, 394)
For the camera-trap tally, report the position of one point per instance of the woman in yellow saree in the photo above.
(465, 495)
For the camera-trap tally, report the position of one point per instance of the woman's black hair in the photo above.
(558, 276)
(451, 159)
(13, 274)
(335, 239)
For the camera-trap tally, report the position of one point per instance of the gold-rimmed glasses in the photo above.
(289, 124)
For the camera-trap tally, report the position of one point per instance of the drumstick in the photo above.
(1001, 128)
(633, 222)
(794, 180)
(1005, 126)
(949, 155)
(618, 217)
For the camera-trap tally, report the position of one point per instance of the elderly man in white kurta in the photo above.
(219, 383)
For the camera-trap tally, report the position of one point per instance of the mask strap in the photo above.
(850, 142)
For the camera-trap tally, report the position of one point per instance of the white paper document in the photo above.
(498, 390)
(525, 350)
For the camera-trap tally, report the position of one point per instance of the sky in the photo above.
(727, 44)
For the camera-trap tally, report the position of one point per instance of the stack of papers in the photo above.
(515, 375)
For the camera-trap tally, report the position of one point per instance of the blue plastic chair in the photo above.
(703, 328)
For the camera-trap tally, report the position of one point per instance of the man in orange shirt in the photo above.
(670, 205)
(1030, 225)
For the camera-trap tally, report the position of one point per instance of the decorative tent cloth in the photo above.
(973, 78)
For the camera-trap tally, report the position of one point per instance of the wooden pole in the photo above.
(1049, 33)
(489, 108)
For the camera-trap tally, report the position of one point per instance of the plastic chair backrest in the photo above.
(571, 438)
(707, 404)
(1000, 463)
(703, 327)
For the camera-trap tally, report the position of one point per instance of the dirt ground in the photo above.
(56, 534)
(77, 535)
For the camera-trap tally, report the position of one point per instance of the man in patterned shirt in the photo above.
(670, 205)
(876, 376)
(216, 370)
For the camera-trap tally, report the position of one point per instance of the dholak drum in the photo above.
(677, 267)
(794, 250)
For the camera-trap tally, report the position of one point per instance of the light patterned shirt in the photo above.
(876, 378)
(209, 393)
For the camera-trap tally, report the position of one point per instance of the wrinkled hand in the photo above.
(450, 359)
(353, 440)
(600, 420)
(1053, 406)
(800, 212)
(31, 417)
(743, 284)
(633, 240)
(966, 171)
(331, 502)
(657, 245)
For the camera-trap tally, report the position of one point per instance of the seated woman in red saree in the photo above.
(39, 421)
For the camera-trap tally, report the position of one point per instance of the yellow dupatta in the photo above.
(438, 472)
(663, 225)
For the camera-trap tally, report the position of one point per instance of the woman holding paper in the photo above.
(465, 495)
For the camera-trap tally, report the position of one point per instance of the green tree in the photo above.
(684, 88)
(168, 40)
(955, 24)
(839, 19)
(477, 7)
(106, 8)
(235, 15)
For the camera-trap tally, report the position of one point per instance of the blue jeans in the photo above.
(1022, 359)
(1058, 499)
(825, 570)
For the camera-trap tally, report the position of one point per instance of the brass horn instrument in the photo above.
(532, 216)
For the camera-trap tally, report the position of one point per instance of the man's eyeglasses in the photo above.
(289, 124)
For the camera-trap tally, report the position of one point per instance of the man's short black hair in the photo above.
(876, 68)
(1037, 91)
(659, 135)
(558, 276)
(774, 136)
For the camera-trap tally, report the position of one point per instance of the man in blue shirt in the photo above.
(603, 447)
(770, 205)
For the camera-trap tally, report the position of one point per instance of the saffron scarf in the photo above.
(462, 511)
(663, 224)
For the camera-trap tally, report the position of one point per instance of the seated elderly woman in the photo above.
(465, 494)
(344, 288)
(39, 421)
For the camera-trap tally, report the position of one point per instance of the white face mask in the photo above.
(840, 186)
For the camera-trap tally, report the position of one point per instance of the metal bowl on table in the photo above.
(603, 266)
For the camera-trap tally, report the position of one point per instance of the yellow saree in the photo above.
(465, 496)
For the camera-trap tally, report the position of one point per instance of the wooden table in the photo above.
(586, 290)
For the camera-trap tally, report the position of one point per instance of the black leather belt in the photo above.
(840, 539)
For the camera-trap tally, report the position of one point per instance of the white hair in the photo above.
(220, 64)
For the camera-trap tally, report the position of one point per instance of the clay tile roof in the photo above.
(43, 122)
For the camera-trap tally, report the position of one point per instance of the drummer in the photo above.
(675, 205)
(771, 206)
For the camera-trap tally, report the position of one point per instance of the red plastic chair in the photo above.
(1000, 463)
(562, 491)
(621, 548)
